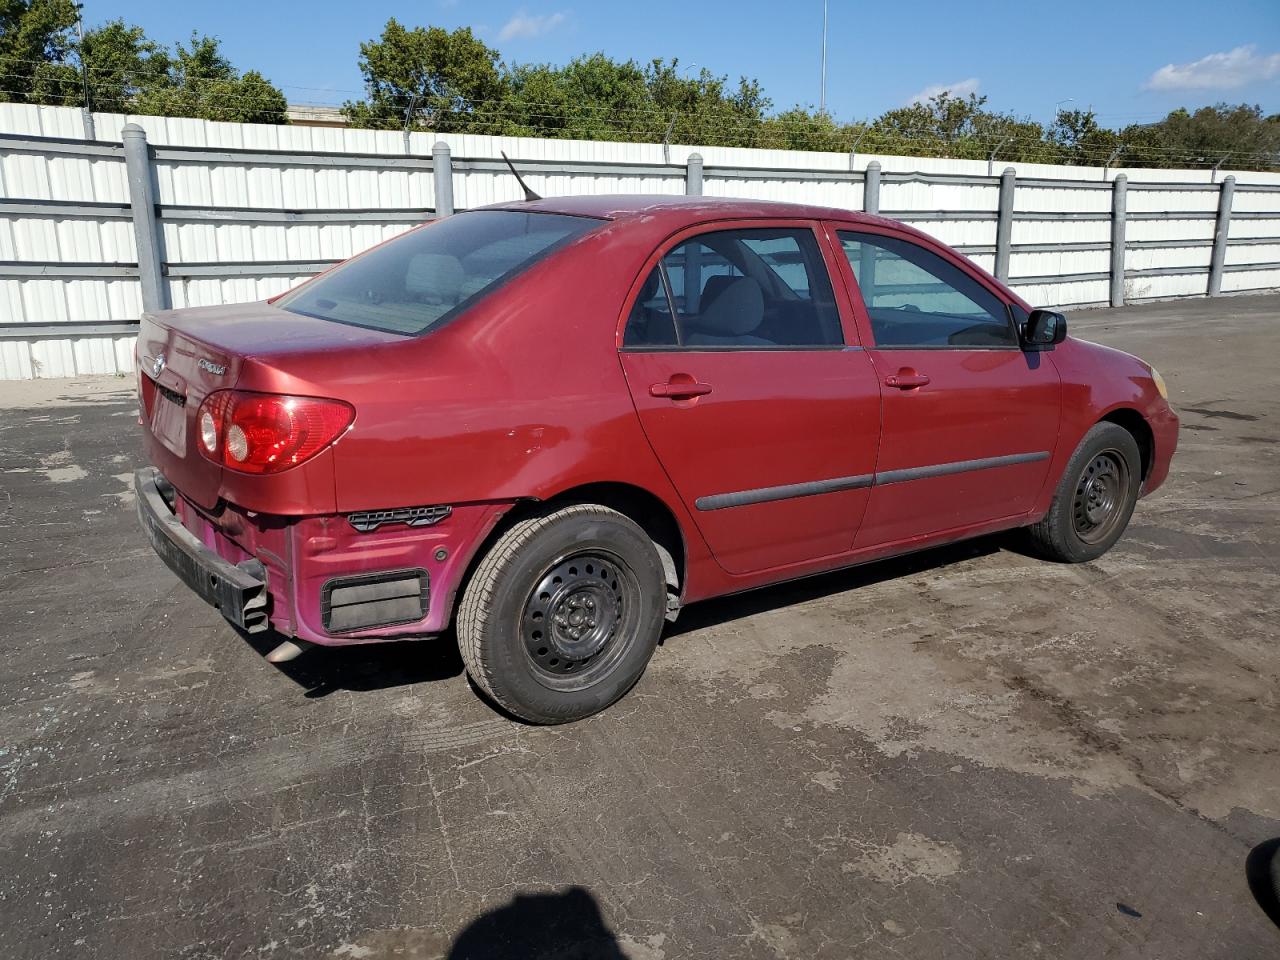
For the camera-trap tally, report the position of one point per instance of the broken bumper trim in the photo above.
(239, 592)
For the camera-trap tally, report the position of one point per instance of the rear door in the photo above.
(970, 420)
(762, 410)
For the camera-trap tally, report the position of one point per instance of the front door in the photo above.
(970, 420)
(764, 418)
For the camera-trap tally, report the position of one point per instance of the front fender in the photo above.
(1100, 383)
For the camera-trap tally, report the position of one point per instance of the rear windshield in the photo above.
(421, 279)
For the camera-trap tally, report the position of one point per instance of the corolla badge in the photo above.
(157, 365)
(208, 366)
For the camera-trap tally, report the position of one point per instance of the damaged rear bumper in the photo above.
(238, 591)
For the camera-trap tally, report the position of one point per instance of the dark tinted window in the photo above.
(651, 323)
(917, 299)
(426, 276)
(740, 288)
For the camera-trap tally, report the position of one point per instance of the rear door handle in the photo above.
(906, 381)
(680, 390)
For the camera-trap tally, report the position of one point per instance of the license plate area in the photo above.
(169, 419)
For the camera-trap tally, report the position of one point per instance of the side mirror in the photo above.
(1043, 330)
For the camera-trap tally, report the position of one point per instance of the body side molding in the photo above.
(790, 491)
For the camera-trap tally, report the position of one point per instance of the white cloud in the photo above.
(1217, 71)
(961, 88)
(526, 25)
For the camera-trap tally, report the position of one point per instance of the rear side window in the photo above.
(423, 278)
(744, 289)
(915, 298)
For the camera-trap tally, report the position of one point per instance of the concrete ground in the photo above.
(969, 753)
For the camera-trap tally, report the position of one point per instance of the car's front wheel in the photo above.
(562, 614)
(1095, 497)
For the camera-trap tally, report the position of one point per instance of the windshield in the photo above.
(421, 279)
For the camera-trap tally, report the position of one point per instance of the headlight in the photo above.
(1159, 382)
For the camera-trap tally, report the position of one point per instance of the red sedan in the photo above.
(554, 423)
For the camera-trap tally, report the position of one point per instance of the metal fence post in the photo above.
(442, 169)
(1219, 259)
(693, 175)
(146, 232)
(1004, 224)
(871, 188)
(1119, 186)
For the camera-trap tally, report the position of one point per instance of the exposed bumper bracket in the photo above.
(238, 591)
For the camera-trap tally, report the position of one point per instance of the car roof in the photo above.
(675, 210)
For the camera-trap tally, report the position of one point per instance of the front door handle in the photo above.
(680, 389)
(906, 379)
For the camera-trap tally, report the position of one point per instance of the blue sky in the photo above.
(1131, 62)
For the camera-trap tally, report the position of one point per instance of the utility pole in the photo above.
(87, 112)
(822, 100)
(408, 122)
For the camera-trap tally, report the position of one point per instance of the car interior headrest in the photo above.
(435, 278)
(737, 310)
(714, 287)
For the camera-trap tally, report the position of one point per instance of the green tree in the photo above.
(591, 98)
(127, 72)
(705, 109)
(598, 98)
(456, 83)
(36, 40)
(1208, 135)
(201, 82)
(444, 75)
(1080, 140)
(960, 127)
(801, 128)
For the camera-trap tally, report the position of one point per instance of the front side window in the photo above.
(426, 276)
(746, 289)
(915, 298)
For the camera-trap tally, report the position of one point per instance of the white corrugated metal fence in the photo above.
(247, 210)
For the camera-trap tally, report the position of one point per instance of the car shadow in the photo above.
(1262, 872)
(709, 613)
(321, 671)
(566, 924)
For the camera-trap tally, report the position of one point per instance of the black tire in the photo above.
(562, 614)
(1095, 497)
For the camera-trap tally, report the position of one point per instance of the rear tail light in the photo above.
(266, 432)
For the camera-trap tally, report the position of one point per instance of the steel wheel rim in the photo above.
(579, 619)
(1101, 493)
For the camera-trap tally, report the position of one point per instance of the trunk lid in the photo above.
(185, 355)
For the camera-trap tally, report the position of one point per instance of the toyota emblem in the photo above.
(157, 365)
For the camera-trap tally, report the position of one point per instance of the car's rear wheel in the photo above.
(562, 614)
(1095, 497)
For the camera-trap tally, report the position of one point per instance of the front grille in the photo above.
(369, 520)
(374, 600)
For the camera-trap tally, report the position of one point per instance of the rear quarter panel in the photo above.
(521, 397)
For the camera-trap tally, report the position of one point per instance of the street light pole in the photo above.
(1057, 107)
(822, 101)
